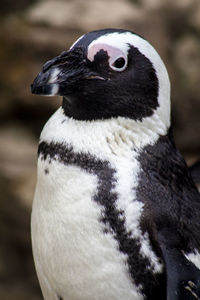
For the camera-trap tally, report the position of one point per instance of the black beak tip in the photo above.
(38, 83)
(41, 86)
(38, 90)
(46, 89)
(33, 89)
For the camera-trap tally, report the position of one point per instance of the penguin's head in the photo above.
(107, 74)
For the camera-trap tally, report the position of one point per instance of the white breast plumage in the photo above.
(70, 246)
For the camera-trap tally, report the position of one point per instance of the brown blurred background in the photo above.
(33, 32)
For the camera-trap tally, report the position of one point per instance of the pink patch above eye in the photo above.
(113, 52)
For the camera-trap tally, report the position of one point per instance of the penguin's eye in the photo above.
(119, 64)
(117, 58)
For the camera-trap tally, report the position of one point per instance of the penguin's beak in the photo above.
(63, 75)
(46, 83)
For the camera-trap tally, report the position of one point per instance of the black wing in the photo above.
(183, 277)
(172, 215)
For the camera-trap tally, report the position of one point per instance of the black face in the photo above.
(93, 90)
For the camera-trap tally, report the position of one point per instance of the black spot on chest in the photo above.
(46, 171)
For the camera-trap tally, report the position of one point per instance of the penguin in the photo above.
(116, 214)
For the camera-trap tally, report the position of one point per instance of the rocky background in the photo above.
(33, 32)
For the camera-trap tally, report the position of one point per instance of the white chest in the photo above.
(75, 258)
(71, 250)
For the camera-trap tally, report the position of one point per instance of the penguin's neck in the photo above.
(117, 135)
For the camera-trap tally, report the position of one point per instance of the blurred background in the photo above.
(33, 32)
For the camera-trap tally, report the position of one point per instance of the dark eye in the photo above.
(119, 64)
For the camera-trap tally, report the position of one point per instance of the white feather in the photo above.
(194, 257)
(65, 211)
(71, 252)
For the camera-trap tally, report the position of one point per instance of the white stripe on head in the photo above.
(76, 41)
(194, 257)
(54, 76)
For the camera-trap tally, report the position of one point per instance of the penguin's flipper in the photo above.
(183, 277)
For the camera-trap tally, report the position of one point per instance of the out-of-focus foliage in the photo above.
(33, 32)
